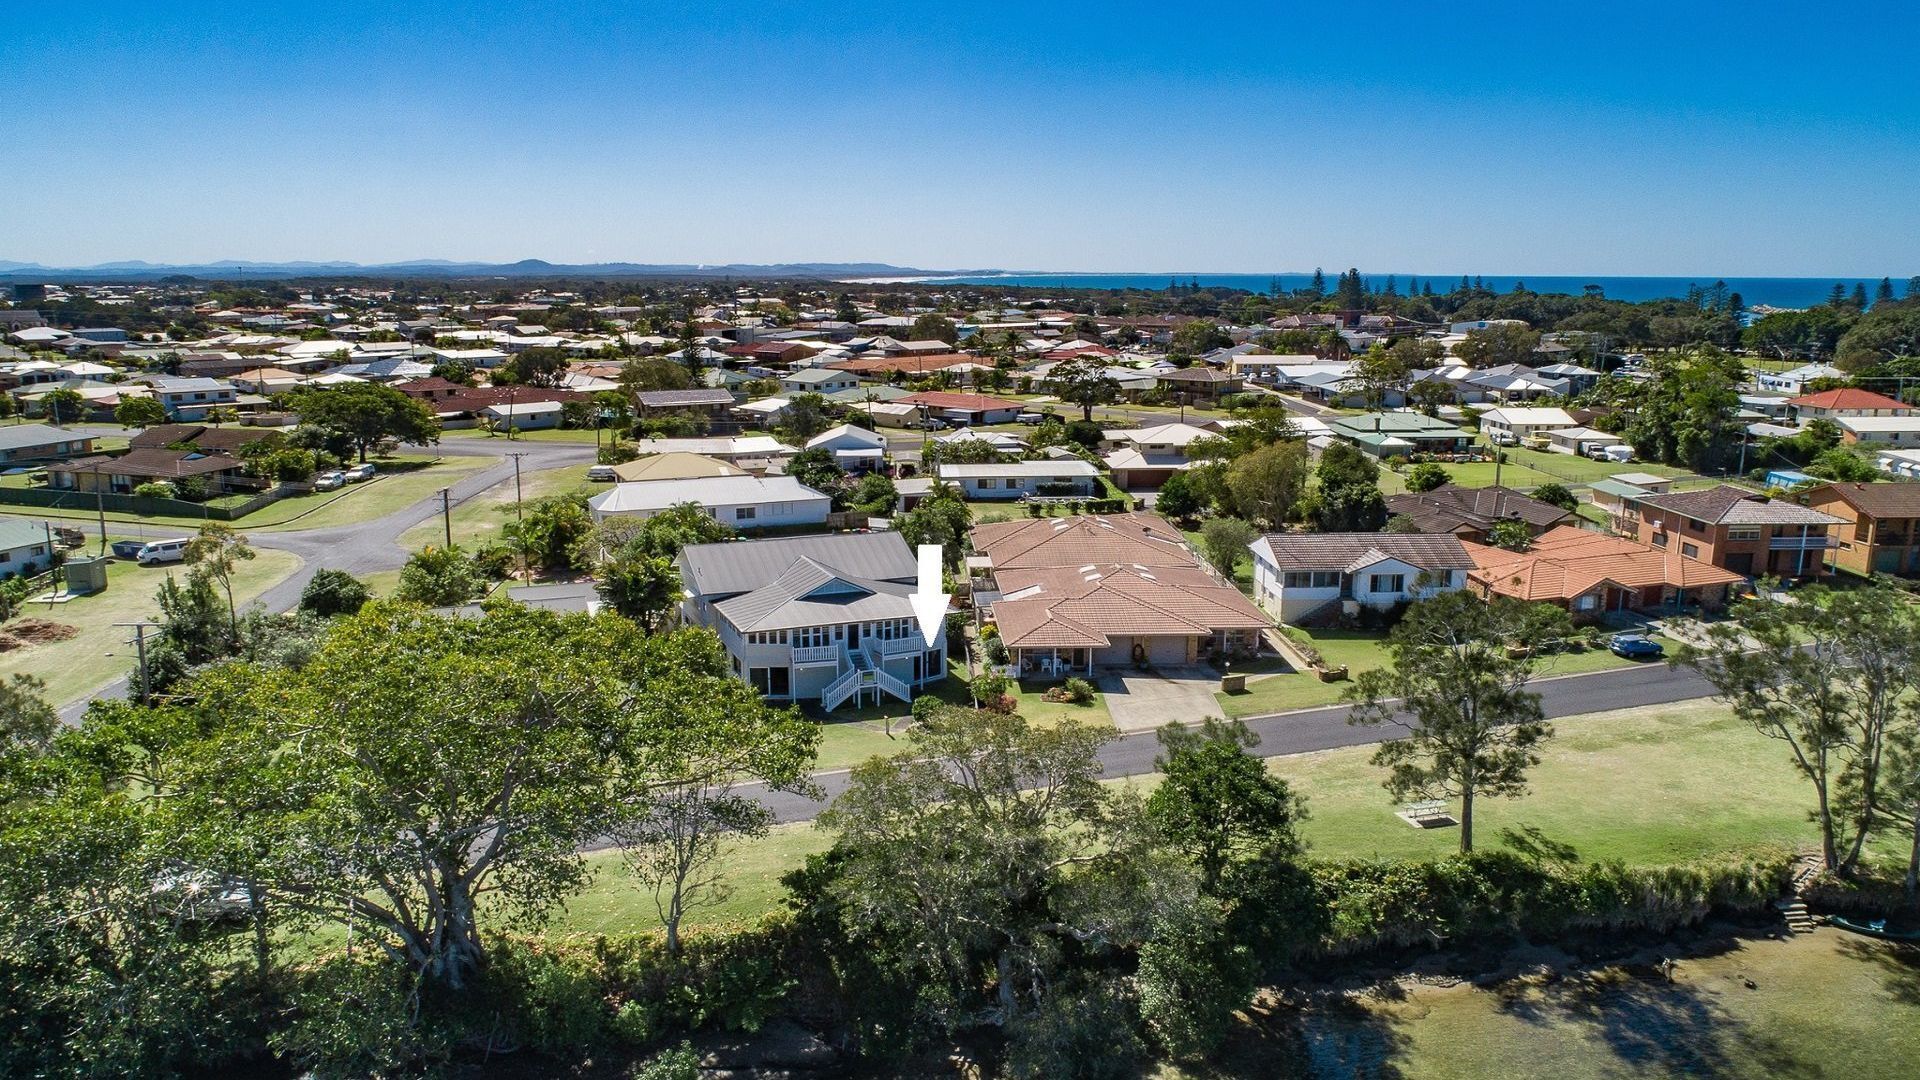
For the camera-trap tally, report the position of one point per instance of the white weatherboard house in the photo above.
(744, 502)
(853, 448)
(1020, 479)
(1300, 575)
(815, 618)
(1523, 423)
(23, 548)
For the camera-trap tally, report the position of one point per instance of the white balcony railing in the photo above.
(1800, 543)
(816, 654)
(904, 646)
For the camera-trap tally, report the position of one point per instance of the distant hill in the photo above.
(230, 269)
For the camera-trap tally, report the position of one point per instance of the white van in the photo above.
(161, 551)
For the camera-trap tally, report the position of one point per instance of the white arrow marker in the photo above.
(929, 603)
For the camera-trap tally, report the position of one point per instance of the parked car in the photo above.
(328, 481)
(602, 472)
(358, 473)
(1635, 647)
(1503, 438)
(161, 551)
(1029, 418)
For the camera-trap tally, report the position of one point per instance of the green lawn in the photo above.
(1825, 1005)
(97, 654)
(387, 493)
(615, 902)
(1532, 468)
(1362, 650)
(1663, 785)
(565, 435)
(481, 517)
(1657, 786)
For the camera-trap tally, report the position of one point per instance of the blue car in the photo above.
(1634, 646)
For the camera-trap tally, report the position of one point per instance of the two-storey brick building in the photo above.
(1879, 531)
(1737, 530)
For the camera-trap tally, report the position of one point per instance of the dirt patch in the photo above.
(24, 632)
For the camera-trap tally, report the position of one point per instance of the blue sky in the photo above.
(1628, 138)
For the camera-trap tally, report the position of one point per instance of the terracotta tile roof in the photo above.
(1074, 609)
(158, 464)
(912, 364)
(1129, 539)
(1848, 397)
(1567, 562)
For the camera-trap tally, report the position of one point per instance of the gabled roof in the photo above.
(667, 399)
(27, 436)
(941, 399)
(708, 491)
(739, 566)
(810, 593)
(1350, 551)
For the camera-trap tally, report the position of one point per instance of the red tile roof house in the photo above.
(1847, 401)
(1072, 595)
(965, 408)
(1737, 530)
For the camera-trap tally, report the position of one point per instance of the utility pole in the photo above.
(446, 513)
(140, 643)
(519, 516)
(100, 507)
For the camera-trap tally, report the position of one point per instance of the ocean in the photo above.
(1774, 292)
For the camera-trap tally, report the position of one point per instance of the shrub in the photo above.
(1426, 476)
(333, 592)
(1078, 690)
(157, 489)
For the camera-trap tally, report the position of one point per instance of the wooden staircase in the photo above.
(1793, 907)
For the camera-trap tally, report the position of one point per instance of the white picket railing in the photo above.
(842, 688)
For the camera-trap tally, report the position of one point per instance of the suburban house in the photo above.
(201, 437)
(25, 548)
(1578, 440)
(1516, 425)
(120, 475)
(818, 381)
(753, 453)
(1737, 530)
(191, 399)
(1200, 385)
(1591, 574)
(1471, 513)
(1879, 531)
(1846, 401)
(1880, 430)
(1143, 458)
(1063, 478)
(525, 415)
(854, 449)
(744, 502)
(710, 403)
(26, 443)
(1298, 576)
(677, 465)
(816, 618)
(1070, 595)
(1794, 380)
(964, 408)
(1391, 434)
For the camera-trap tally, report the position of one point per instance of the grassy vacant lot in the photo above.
(566, 435)
(480, 518)
(81, 665)
(1362, 650)
(615, 902)
(350, 505)
(1532, 468)
(1662, 785)
(1825, 1005)
(1654, 786)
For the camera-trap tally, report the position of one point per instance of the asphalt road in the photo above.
(1327, 728)
(370, 546)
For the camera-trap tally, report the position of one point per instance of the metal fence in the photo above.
(142, 505)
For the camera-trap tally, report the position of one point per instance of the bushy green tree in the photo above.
(333, 592)
(1426, 476)
(440, 577)
(362, 414)
(1224, 542)
(551, 529)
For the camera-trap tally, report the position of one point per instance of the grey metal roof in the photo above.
(740, 566)
(30, 435)
(811, 594)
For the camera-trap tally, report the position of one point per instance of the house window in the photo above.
(1312, 579)
(1386, 583)
(1659, 539)
(985, 484)
(810, 637)
(1586, 603)
(1691, 551)
(1862, 528)
(743, 513)
(1743, 532)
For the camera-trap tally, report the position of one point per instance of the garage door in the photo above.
(1167, 651)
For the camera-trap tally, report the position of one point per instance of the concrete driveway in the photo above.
(1144, 700)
